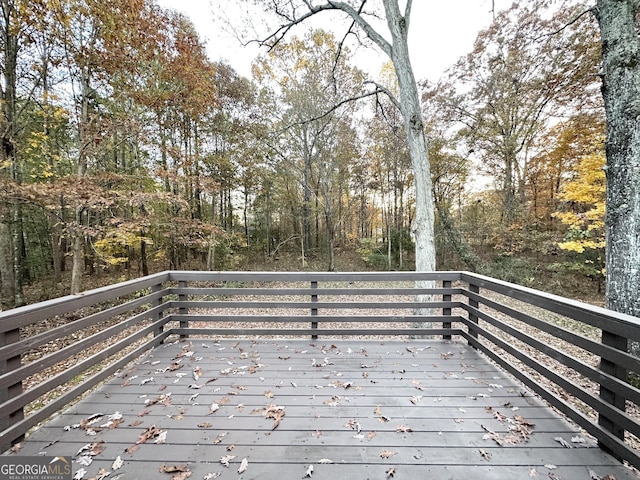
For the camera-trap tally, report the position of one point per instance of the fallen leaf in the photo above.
(149, 433)
(117, 463)
(391, 472)
(161, 438)
(325, 461)
(562, 442)
(80, 474)
(211, 476)
(403, 429)
(243, 465)
(485, 455)
(274, 412)
(213, 408)
(387, 454)
(102, 474)
(225, 459)
(220, 437)
(132, 449)
(309, 472)
(173, 468)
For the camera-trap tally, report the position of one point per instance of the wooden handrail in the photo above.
(520, 328)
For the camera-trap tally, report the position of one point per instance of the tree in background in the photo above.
(398, 22)
(312, 134)
(524, 71)
(584, 198)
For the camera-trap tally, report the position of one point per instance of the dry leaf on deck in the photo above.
(403, 429)
(225, 459)
(562, 442)
(243, 465)
(391, 472)
(387, 454)
(309, 472)
(117, 463)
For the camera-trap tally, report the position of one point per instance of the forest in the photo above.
(126, 150)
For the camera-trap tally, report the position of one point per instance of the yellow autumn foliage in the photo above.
(587, 193)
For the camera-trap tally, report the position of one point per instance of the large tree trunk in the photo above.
(423, 227)
(621, 92)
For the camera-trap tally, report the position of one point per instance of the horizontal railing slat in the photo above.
(40, 339)
(210, 304)
(69, 351)
(280, 292)
(614, 322)
(44, 387)
(297, 332)
(190, 276)
(307, 318)
(588, 371)
(599, 349)
(23, 426)
(19, 317)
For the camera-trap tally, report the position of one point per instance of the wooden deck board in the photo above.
(343, 401)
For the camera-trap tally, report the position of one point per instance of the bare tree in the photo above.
(291, 13)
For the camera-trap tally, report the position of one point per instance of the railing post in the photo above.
(182, 297)
(156, 303)
(314, 311)
(446, 297)
(475, 304)
(614, 399)
(7, 419)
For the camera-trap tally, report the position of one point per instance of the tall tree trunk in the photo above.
(423, 227)
(621, 92)
(9, 153)
(6, 263)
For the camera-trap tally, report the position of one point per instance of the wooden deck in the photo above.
(414, 409)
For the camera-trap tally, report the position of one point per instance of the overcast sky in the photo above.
(441, 31)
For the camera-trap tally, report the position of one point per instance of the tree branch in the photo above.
(407, 13)
(341, 45)
(568, 24)
(362, 23)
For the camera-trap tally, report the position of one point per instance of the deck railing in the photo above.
(571, 354)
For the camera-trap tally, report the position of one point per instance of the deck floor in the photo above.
(350, 409)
